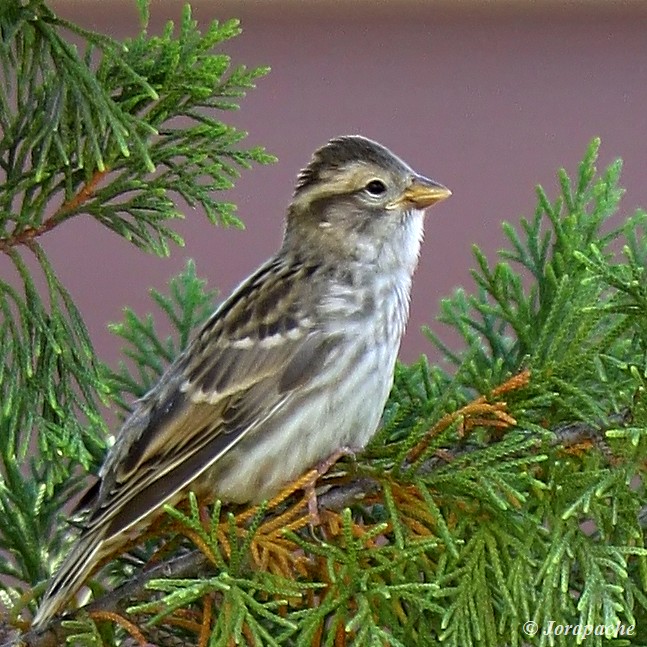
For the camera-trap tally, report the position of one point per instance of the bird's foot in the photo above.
(306, 484)
(320, 470)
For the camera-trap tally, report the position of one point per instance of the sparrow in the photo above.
(297, 363)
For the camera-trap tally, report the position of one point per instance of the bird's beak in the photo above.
(422, 193)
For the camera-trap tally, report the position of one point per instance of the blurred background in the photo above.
(489, 98)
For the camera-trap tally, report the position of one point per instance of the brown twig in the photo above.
(189, 565)
(205, 629)
(28, 234)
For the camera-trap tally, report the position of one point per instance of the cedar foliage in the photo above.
(505, 485)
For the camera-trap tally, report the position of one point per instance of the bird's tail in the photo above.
(71, 575)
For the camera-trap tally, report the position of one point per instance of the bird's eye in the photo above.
(376, 187)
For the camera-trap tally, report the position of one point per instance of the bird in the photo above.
(296, 364)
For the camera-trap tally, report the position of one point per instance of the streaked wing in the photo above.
(243, 365)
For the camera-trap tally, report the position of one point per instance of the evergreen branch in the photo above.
(185, 566)
(66, 129)
(69, 207)
(197, 563)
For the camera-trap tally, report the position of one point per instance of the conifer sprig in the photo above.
(127, 133)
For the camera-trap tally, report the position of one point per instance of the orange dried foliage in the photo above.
(177, 620)
(205, 629)
(131, 628)
(481, 412)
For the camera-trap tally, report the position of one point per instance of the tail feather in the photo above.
(71, 574)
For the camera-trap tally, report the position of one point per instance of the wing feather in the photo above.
(240, 369)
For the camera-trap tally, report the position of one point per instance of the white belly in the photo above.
(306, 432)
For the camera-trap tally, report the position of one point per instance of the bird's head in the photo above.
(355, 196)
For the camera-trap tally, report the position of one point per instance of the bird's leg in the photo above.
(306, 483)
(324, 466)
(320, 470)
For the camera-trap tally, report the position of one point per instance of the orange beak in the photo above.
(423, 192)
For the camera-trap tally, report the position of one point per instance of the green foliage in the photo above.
(558, 534)
(101, 132)
(561, 321)
(124, 132)
(186, 307)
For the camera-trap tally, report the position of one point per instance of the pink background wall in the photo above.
(489, 100)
